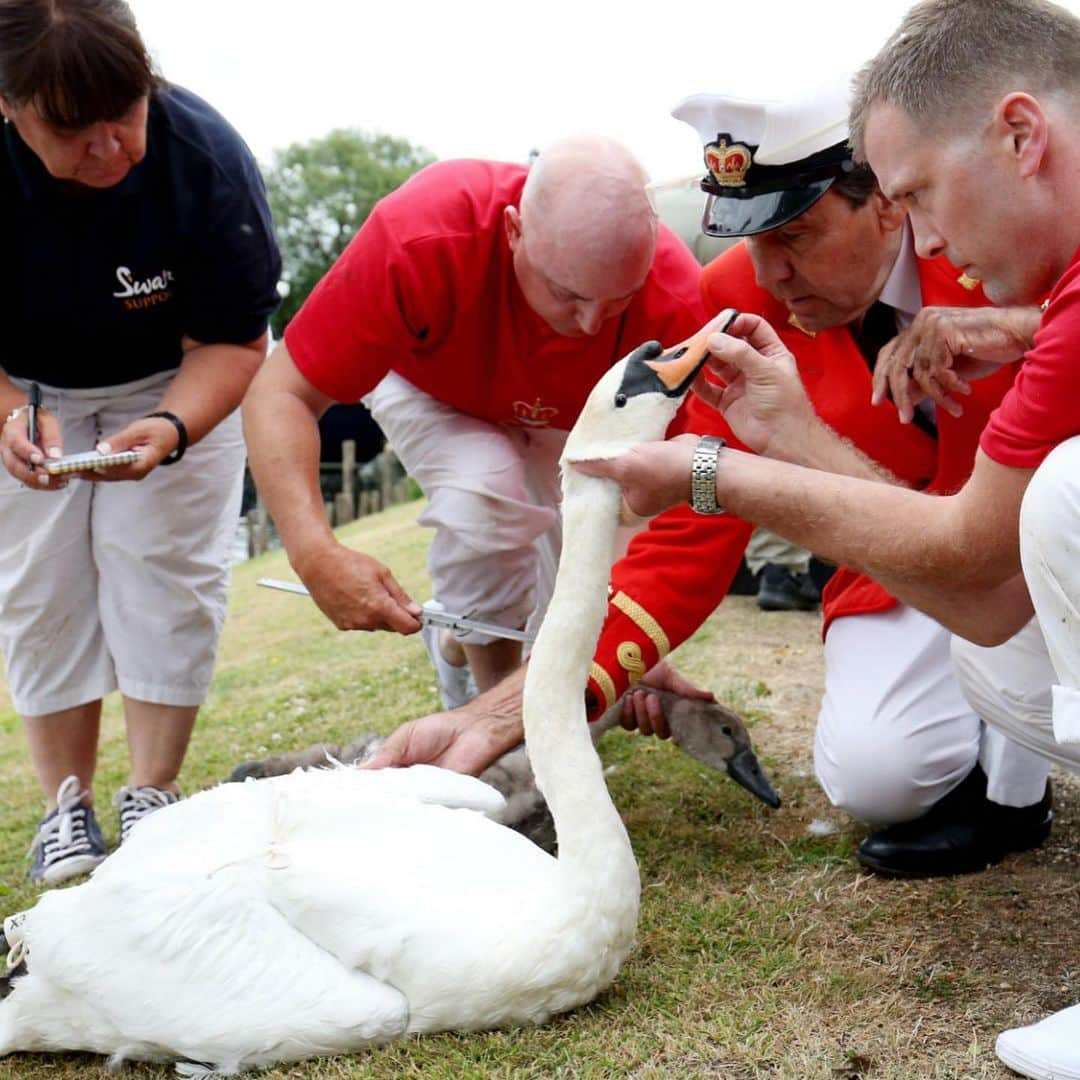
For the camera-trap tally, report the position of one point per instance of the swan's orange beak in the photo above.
(676, 367)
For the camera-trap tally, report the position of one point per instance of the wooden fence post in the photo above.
(386, 477)
(343, 510)
(264, 524)
(258, 528)
(348, 481)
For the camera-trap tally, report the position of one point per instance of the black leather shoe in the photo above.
(780, 589)
(962, 833)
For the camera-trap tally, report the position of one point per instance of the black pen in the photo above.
(32, 407)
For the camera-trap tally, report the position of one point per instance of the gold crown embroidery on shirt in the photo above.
(535, 415)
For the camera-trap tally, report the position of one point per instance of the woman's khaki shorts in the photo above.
(118, 585)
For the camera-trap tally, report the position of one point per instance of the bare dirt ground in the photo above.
(1013, 932)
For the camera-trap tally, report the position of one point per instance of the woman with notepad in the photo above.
(137, 274)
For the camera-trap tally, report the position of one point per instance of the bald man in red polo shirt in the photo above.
(472, 312)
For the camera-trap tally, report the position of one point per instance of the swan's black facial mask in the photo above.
(688, 358)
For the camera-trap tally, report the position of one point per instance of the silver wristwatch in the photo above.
(703, 475)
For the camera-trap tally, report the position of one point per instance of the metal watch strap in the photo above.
(703, 475)
(181, 432)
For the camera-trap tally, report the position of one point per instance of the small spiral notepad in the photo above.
(90, 460)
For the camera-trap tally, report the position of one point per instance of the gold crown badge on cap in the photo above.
(728, 162)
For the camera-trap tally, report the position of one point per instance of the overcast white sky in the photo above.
(481, 78)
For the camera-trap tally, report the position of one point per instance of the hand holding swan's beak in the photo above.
(677, 366)
(654, 476)
(760, 393)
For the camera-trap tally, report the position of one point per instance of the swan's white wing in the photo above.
(447, 906)
(195, 967)
(239, 821)
(353, 879)
(293, 901)
(424, 783)
(363, 869)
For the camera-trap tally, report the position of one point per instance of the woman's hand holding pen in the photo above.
(22, 455)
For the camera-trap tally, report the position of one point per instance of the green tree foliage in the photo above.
(320, 194)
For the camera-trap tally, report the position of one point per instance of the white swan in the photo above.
(316, 913)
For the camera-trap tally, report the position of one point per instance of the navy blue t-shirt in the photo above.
(98, 287)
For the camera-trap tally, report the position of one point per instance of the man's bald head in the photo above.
(585, 233)
(588, 191)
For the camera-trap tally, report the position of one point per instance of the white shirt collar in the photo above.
(903, 290)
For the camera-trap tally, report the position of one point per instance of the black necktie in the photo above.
(877, 329)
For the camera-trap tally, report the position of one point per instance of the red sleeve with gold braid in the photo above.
(670, 581)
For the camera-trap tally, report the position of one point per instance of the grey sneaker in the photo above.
(135, 803)
(68, 841)
(456, 685)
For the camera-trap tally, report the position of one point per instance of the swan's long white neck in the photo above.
(592, 838)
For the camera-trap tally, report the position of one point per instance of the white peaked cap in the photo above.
(782, 131)
(768, 162)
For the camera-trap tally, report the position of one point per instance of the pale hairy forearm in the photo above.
(985, 616)
(886, 531)
(498, 711)
(820, 447)
(1025, 322)
(354, 590)
(210, 383)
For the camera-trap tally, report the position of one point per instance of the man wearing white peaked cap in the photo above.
(830, 260)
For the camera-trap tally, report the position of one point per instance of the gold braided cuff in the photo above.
(605, 682)
(644, 622)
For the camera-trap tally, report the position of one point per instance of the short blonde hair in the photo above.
(950, 59)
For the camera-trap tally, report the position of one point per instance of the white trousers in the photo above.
(895, 732)
(766, 547)
(1030, 686)
(493, 495)
(118, 585)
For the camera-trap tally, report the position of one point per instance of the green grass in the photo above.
(762, 952)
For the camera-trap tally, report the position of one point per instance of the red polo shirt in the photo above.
(1043, 407)
(426, 288)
